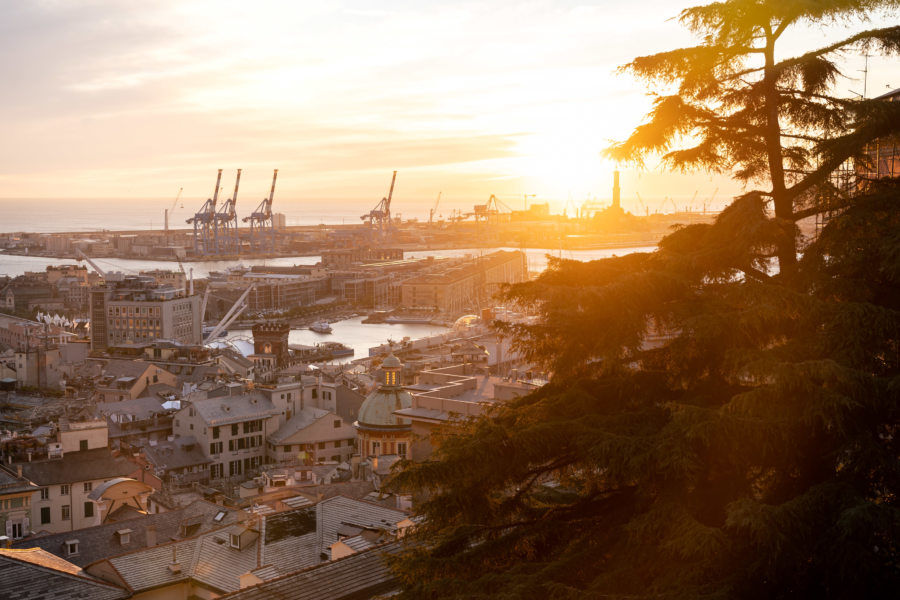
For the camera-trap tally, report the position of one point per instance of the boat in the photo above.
(320, 327)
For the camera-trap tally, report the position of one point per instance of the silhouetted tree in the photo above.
(714, 426)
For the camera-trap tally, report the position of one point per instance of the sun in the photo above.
(565, 164)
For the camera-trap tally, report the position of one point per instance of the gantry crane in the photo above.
(226, 223)
(379, 218)
(204, 222)
(262, 227)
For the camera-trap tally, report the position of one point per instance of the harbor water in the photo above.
(14, 264)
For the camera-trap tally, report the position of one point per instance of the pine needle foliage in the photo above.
(723, 419)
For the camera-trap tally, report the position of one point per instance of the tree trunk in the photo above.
(784, 206)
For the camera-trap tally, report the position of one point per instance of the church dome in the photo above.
(378, 408)
(391, 362)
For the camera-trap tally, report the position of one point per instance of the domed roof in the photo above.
(378, 408)
(391, 362)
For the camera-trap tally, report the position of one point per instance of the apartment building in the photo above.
(77, 463)
(230, 430)
(464, 286)
(138, 310)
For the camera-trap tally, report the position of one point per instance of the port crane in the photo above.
(491, 210)
(226, 223)
(262, 227)
(379, 218)
(204, 222)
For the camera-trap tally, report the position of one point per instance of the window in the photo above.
(88, 486)
(215, 433)
(336, 458)
(337, 423)
(88, 509)
(215, 448)
(321, 445)
(71, 547)
(234, 468)
(66, 512)
(82, 444)
(45, 515)
(16, 530)
(337, 443)
(45, 493)
(315, 393)
(235, 540)
(216, 471)
(64, 490)
(401, 449)
(234, 429)
(376, 448)
(287, 448)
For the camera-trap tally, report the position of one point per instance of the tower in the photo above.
(616, 191)
(271, 337)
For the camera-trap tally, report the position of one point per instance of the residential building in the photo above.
(15, 503)
(62, 503)
(265, 549)
(457, 392)
(129, 379)
(145, 531)
(312, 435)
(230, 430)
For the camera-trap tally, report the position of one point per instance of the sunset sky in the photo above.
(138, 99)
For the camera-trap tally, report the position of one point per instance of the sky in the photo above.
(127, 100)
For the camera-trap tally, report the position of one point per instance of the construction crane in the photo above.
(177, 196)
(239, 306)
(379, 218)
(708, 203)
(226, 223)
(204, 222)
(434, 209)
(262, 227)
(643, 206)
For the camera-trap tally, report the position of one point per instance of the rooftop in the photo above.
(74, 467)
(97, 543)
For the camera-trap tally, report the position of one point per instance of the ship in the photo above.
(320, 327)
